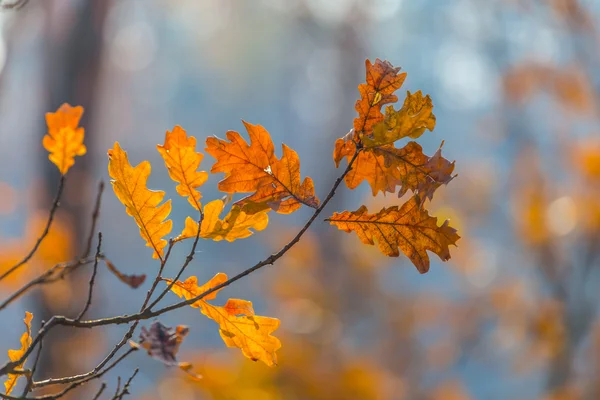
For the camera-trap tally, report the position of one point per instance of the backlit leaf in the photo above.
(237, 224)
(15, 355)
(409, 229)
(239, 327)
(129, 184)
(275, 183)
(64, 140)
(411, 120)
(383, 79)
(183, 161)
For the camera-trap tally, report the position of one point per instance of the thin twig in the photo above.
(147, 313)
(118, 386)
(47, 277)
(53, 209)
(95, 215)
(188, 260)
(99, 393)
(88, 303)
(119, 396)
(163, 262)
(33, 369)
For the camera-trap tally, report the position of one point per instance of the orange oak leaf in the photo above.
(236, 225)
(162, 343)
(15, 355)
(275, 183)
(383, 79)
(411, 120)
(183, 161)
(64, 140)
(386, 167)
(239, 326)
(409, 229)
(129, 184)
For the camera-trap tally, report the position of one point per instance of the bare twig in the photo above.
(125, 391)
(53, 209)
(99, 393)
(188, 260)
(88, 303)
(33, 369)
(118, 386)
(95, 215)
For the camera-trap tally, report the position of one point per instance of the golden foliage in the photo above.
(409, 229)
(129, 184)
(182, 161)
(254, 168)
(64, 140)
(239, 326)
(236, 225)
(15, 355)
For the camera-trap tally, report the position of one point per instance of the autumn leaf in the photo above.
(162, 343)
(384, 166)
(182, 161)
(15, 355)
(275, 183)
(133, 281)
(129, 184)
(409, 229)
(383, 79)
(64, 140)
(411, 120)
(239, 326)
(236, 224)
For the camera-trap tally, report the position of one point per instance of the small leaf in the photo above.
(275, 183)
(15, 355)
(129, 184)
(239, 327)
(383, 79)
(411, 120)
(64, 140)
(409, 229)
(182, 161)
(133, 281)
(162, 343)
(236, 224)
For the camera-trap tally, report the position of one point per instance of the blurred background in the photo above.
(513, 314)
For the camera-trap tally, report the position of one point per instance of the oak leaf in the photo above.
(239, 326)
(415, 116)
(182, 162)
(162, 343)
(15, 355)
(382, 80)
(237, 224)
(133, 281)
(409, 229)
(254, 168)
(129, 184)
(64, 140)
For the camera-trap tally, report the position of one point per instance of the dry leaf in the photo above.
(275, 183)
(409, 229)
(129, 184)
(15, 355)
(64, 140)
(182, 161)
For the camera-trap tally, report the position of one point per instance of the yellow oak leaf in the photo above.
(275, 183)
(409, 229)
(239, 326)
(411, 120)
(237, 224)
(129, 184)
(15, 355)
(183, 161)
(64, 140)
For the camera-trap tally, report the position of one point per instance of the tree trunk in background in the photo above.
(73, 45)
